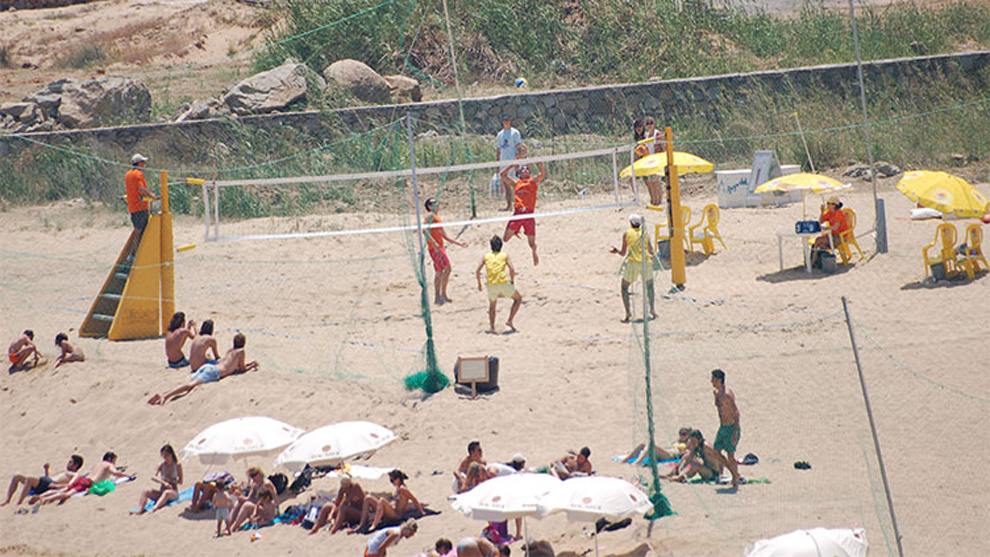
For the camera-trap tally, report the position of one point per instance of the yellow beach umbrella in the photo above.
(948, 194)
(815, 183)
(686, 163)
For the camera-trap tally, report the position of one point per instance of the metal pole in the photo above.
(804, 141)
(460, 96)
(866, 118)
(419, 221)
(632, 176)
(615, 173)
(216, 211)
(206, 212)
(873, 427)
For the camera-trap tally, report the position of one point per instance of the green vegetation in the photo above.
(84, 56)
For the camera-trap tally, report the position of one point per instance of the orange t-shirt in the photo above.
(436, 234)
(525, 194)
(134, 181)
(837, 222)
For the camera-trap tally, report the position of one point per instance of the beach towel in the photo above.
(411, 513)
(728, 480)
(363, 472)
(184, 495)
(116, 481)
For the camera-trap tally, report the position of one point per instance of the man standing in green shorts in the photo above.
(499, 285)
(728, 430)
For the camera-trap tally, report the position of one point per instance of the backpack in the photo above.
(280, 482)
(303, 480)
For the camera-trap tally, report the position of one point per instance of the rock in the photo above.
(402, 86)
(103, 101)
(201, 110)
(18, 110)
(857, 170)
(358, 78)
(268, 91)
(887, 170)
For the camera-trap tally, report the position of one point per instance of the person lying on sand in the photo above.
(104, 471)
(700, 459)
(37, 485)
(203, 349)
(178, 333)
(638, 454)
(573, 465)
(344, 510)
(231, 363)
(22, 348)
(389, 511)
(69, 353)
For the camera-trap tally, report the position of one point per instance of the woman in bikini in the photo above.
(700, 459)
(394, 510)
(168, 477)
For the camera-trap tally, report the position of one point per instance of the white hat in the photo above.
(635, 219)
(518, 458)
(138, 157)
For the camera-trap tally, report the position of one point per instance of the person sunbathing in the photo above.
(178, 333)
(204, 489)
(203, 348)
(101, 473)
(676, 451)
(168, 476)
(344, 509)
(37, 485)
(263, 513)
(477, 473)
(231, 363)
(475, 454)
(700, 459)
(244, 509)
(391, 512)
(573, 465)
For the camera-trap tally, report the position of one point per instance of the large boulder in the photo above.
(359, 79)
(402, 86)
(69, 103)
(269, 91)
(202, 110)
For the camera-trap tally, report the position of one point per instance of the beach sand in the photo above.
(335, 326)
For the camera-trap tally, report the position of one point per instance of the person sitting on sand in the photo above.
(573, 465)
(168, 477)
(69, 353)
(344, 509)
(390, 511)
(178, 333)
(380, 541)
(203, 349)
(205, 489)
(244, 508)
(263, 513)
(477, 473)
(442, 548)
(480, 547)
(676, 451)
(222, 502)
(499, 286)
(435, 238)
(101, 475)
(231, 363)
(633, 241)
(19, 351)
(37, 485)
(700, 459)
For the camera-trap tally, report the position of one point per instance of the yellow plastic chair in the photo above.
(685, 220)
(848, 238)
(945, 241)
(972, 256)
(709, 230)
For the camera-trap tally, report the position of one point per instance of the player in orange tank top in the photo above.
(434, 243)
(525, 204)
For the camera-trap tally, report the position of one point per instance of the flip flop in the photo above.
(802, 465)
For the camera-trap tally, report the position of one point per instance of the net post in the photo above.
(677, 273)
(216, 211)
(615, 173)
(873, 427)
(206, 212)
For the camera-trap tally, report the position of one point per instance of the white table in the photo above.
(803, 236)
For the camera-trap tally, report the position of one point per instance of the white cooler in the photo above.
(734, 189)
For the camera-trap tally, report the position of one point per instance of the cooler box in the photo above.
(734, 189)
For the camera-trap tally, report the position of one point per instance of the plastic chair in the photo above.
(708, 230)
(945, 241)
(848, 238)
(685, 220)
(972, 252)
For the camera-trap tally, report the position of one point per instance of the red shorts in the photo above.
(528, 225)
(14, 358)
(440, 259)
(80, 484)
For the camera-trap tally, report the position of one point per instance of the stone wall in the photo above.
(561, 111)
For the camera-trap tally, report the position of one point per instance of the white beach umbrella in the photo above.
(333, 444)
(588, 499)
(240, 438)
(505, 497)
(816, 542)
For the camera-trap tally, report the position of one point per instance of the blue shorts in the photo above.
(207, 374)
(182, 362)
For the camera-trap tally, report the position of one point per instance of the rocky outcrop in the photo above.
(270, 91)
(72, 104)
(401, 86)
(360, 80)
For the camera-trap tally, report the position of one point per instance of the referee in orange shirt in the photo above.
(137, 190)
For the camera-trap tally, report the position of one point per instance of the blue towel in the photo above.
(184, 495)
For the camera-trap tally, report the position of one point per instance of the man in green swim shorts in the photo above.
(728, 430)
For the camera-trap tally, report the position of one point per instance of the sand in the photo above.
(334, 324)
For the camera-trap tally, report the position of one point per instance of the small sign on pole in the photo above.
(473, 371)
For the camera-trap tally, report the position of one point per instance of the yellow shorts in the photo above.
(502, 290)
(632, 271)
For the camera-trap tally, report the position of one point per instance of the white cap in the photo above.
(518, 458)
(635, 219)
(138, 157)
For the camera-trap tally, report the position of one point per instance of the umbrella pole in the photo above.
(596, 544)
(526, 534)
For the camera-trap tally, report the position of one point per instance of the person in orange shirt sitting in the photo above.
(837, 224)
(525, 204)
(137, 190)
(434, 243)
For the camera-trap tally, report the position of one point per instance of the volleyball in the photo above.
(521, 82)
(986, 218)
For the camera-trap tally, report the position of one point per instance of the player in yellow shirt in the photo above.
(500, 285)
(633, 241)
